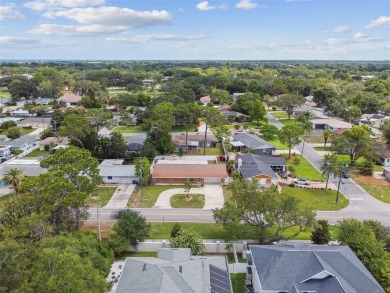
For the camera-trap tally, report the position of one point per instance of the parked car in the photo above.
(303, 181)
(282, 174)
(345, 174)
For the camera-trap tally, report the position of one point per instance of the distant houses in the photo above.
(70, 99)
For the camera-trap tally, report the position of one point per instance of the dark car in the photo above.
(345, 174)
(282, 174)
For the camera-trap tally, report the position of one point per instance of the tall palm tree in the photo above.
(326, 133)
(14, 177)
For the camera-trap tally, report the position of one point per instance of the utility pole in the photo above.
(303, 147)
(98, 220)
(338, 186)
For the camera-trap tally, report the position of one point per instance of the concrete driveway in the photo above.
(213, 196)
(120, 197)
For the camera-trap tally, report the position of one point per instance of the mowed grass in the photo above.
(129, 129)
(290, 122)
(304, 169)
(102, 197)
(346, 162)
(378, 188)
(5, 94)
(276, 142)
(196, 201)
(280, 115)
(27, 130)
(38, 153)
(150, 195)
(218, 150)
(238, 282)
(317, 199)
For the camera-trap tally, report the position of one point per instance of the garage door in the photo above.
(212, 181)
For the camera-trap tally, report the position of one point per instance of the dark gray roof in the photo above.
(219, 280)
(233, 113)
(253, 165)
(252, 141)
(302, 268)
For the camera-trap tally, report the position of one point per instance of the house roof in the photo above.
(69, 98)
(253, 165)
(35, 120)
(384, 154)
(314, 268)
(205, 99)
(190, 171)
(117, 171)
(20, 141)
(334, 123)
(252, 141)
(179, 273)
(180, 139)
(233, 113)
(55, 140)
(29, 166)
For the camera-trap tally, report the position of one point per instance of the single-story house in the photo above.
(34, 122)
(223, 108)
(330, 123)
(296, 267)
(70, 99)
(195, 140)
(262, 168)
(205, 100)
(373, 120)
(386, 172)
(147, 81)
(136, 142)
(20, 144)
(197, 173)
(22, 113)
(30, 166)
(243, 140)
(385, 156)
(53, 141)
(175, 270)
(5, 151)
(237, 116)
(113, 171)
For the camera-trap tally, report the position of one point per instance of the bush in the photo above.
(296, 161)
(8, 124)
(175, 230)
(131, 226)
(321, 233)
(188, 239)
(14, 132)
(47, 133)
(292, 185)
(47, 147)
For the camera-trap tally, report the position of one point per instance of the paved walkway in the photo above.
(213, 196)
(120, 197)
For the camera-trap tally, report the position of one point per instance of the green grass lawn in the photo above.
(5, 197)
(322, 149)
(304, 169)
(103, 195)
(381, 192)
(5, 94)
(317, 199)
(129, 129)
(38, 153)
(345, 160)
(280, 114)
(205, 230)
(150, 195)
(289, 122)
(116, 92)
(238, 283)
(27, 130)
(182, 128)
(279, 146)
(196, 201)
(218, 150)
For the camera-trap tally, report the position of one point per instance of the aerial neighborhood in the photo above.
(195, 177)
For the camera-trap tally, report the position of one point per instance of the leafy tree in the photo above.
(7, 124)
(97, 118)
(132, 226)
(14, 177)
(188, 239)
(321, 233)
(385, 131)
(289, 102)
(142, 169)
(262, 211)
(111, 147)
(149, 149)
(78, 128)
(256, 110)
(175, 230)
(188, 115)
(187, 187)
(23, 88)
(330, 167)
(47, 133)
(221, 97)
(213, 118)
(327, 134)
(56, 119)
(14, 132)
(268, 131)
(290, 136)
(304, 117)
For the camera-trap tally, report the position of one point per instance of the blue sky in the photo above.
(187, 29)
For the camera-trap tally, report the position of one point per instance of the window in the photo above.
(109, 177)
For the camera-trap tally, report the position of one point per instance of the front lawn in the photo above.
(5, 94)
(27, 130)
(150, 195)
(38, 153)
(289, 122)
(317, 199)
(102, 197)
(279, 146)
(280, 115)
(238, 282)
(196, 201)
(378, 188)
(303, 169)
(129, 129)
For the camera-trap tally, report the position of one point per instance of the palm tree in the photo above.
(326, 133)
(14, 177)
(307, 128)
(304, 117)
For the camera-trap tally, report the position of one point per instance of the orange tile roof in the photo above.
(189, 171)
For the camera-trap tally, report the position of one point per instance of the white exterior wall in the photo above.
(119, 179)
(386, 162)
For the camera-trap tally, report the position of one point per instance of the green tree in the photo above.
(14, 132)
(175, 230)
(321, 233)
(256, 110)
(187, 187)
(188, 115)
(330, 167)
(76, 127)
(385, 131)
(263, 211)
(142, 169)
(212, 118)
(14, 177)
(7, 124)
(268, 131)
(304, 117)
(97, 118)
(326, 134)
(221, 97)
(188, 239)
(290, 135)
(132, 226)
(289, 102)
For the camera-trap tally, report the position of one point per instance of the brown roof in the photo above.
(385, 153)
(205, 99)
(55, 140)
(70, 98)
(224, 108)
(189, 171)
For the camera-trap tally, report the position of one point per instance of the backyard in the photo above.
(238, 283)
(103, 195)
(195, 201)
(150, 195)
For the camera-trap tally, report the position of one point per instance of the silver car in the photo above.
(303, 181)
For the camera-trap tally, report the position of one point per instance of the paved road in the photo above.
(272, 120)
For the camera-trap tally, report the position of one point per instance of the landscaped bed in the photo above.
(150, 195)
(103, 195)
(193, 201)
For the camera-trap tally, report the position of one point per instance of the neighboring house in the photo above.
(53, 141)
(5, 119)
(174, 270)
(35, 122)
(243, 140)
(262, 168)
(5, 151)
(330, 123)
(136, 142)
(237, 116)
(20, 144)
(195, 140)
(223, 108)
(300, 268)
(30, 166)
(385, 156)
(205, 100)
(198, 172)
(113, 171)
(70, 99)
(373, 120)
(21, 113)
(386, 172)
(147, 81)
(236, 95)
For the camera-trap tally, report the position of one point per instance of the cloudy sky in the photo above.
(187, 29)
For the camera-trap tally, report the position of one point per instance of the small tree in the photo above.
(14, 132)
(180, 152)
(290, 136)
(14, 177)
(132, 226)
(326, 133)
(188, 239)
(187, 187)
(175, 230)
(321, 233)
(142, 169)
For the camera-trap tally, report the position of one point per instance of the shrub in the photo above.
(292, 185)
(47, 147)
(321, 233)
(14, 132)
(175, 230)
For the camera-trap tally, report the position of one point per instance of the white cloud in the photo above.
(380, 21)
(156, 37)
(6, 40)
(360, 36)
(341, 29)
(205, 6)
(8, 12)
(246, 4)
(75, 30)
(58, 4)
(113, 16)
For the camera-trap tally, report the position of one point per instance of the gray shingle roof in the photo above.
(252, 141)
(325, 269)
(20, 141)
(253, 165)
(117, 171)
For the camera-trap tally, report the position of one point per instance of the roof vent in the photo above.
(180, 269)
